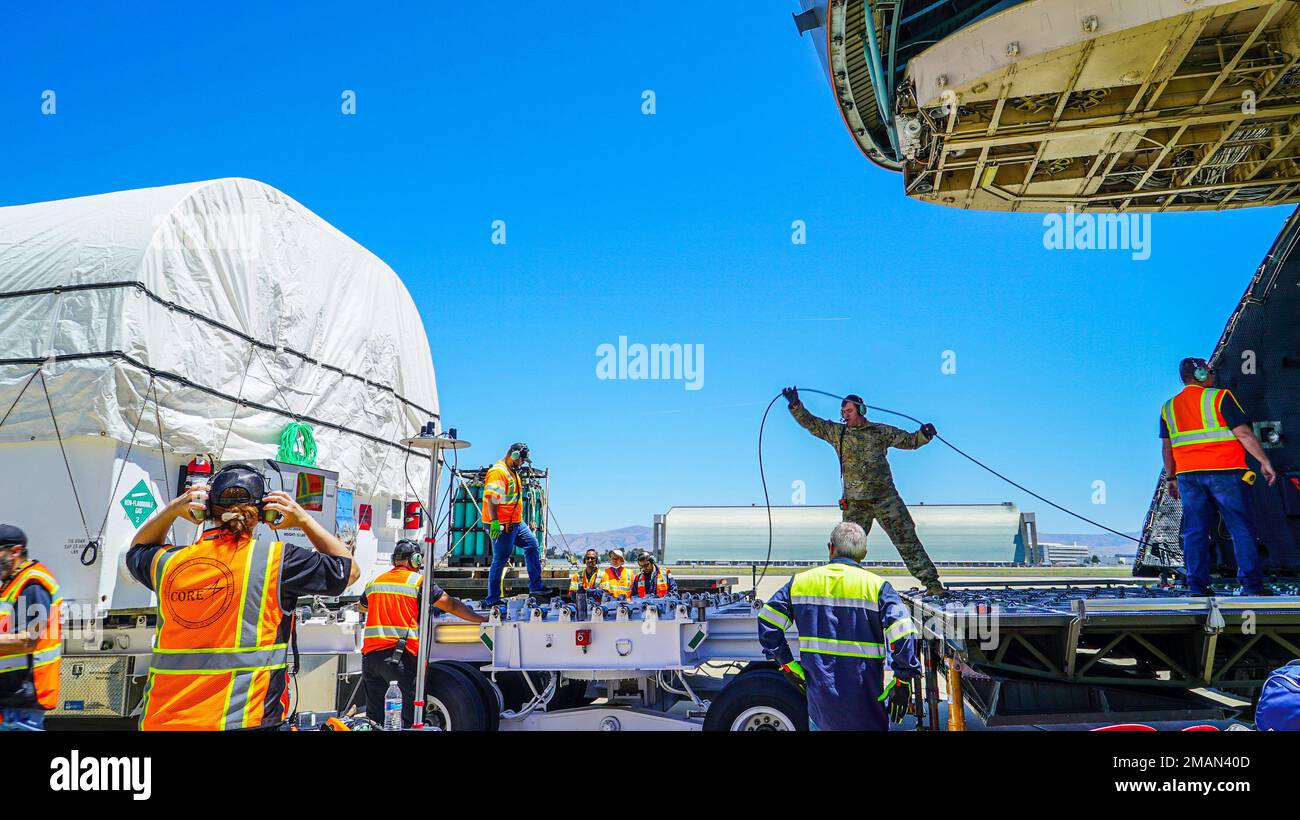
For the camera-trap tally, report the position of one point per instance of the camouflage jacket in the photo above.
(863, 451)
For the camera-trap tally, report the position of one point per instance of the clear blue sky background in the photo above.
(666, 228)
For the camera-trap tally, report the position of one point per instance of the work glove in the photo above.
(791, 394)
(794, 673)
(929, 431)
(899, 694)
(494, 530)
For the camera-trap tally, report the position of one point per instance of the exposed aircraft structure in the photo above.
(1047, 105)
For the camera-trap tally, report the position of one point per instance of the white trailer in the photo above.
(679, 663)
(143, 328)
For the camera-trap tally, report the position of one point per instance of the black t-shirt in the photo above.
(31, 613)
(302, 571)
(1233, 415)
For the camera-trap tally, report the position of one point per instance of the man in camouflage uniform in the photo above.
(869, 492)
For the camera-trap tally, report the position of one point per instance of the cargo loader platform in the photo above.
(1083, 651)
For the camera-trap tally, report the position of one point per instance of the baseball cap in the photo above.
(11, 536)
(238, 484)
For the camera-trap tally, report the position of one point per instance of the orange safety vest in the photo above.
(661, 584)
(579, 580)
(221, 648)
(43, 660)
(502, 487)
(393, 611)
(1199, 433)
(620, 586)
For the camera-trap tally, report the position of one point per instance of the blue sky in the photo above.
(671, 228)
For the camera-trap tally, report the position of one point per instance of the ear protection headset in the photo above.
(518, 451)
(857, 402)
(1201, 373)
(268, 516)
(408, 550)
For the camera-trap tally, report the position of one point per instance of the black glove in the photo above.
(929, 431)
(900, 700)
(791, 394)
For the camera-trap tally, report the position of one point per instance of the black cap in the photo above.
(404, 549)
(1187, 368)
(522, 448)
(237, 484)
(11, 536)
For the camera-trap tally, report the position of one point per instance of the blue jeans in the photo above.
(1203, 495)
(502, 548)
(22, 720)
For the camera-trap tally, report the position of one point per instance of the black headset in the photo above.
(410, 551)
(518, 450)
(268, 516)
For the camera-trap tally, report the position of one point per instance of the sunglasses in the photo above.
(591, 558)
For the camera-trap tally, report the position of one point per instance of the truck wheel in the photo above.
(758, 701)
(490, 694)
(452, 701)
(754, 666)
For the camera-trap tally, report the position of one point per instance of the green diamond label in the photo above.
(139, 503)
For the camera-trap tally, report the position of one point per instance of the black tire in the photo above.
(759, 700)
(452, 700)
(754, 666)
(515, 691)
(491, 697)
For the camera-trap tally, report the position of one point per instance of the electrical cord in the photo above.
(767, 502)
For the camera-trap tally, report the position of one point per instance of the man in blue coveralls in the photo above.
(847, 619)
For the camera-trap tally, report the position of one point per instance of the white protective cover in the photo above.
(243, 254)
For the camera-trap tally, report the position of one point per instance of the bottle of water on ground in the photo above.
(393, 708)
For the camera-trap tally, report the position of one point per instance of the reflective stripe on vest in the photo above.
(1198, 432)
(618, 586)
(661, 584)
(502, 487)
(222, 635)
(43, 658)
(838, 585)
(392, 611)
(580, 580)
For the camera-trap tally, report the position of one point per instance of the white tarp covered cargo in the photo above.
(223, 310)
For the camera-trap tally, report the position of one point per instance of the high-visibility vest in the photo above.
(502, 487)
(43, 659)
(660, 584)
(1198, 432)
(580, 580)
(393, 611)
(221, 647)
(620, 586)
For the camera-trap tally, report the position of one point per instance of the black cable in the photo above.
(26, 385)
(767, 502)
(950, 445)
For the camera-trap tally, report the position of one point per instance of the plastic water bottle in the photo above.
(393, 708)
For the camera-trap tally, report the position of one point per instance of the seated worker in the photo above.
(391, 603)
(226, 602)
(652, 580)
(588, 577)
(616, 579)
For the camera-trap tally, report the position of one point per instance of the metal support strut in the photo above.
(429, 439)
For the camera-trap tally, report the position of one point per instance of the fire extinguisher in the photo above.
(198, 473)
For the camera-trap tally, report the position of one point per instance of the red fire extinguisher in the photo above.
(198, 473)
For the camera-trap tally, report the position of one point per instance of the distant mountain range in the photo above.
(641, 537)
(624, 538)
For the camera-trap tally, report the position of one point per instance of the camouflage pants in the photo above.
(897, 522)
